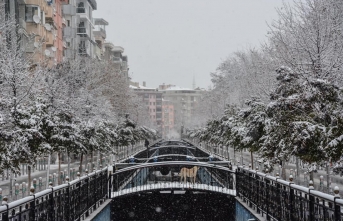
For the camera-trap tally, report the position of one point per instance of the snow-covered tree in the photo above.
(308, 38)
(305, 119)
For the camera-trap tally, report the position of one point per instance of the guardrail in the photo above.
(277, 199)
(71, 201)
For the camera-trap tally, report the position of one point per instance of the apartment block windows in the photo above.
(81, 8)
(30, 11)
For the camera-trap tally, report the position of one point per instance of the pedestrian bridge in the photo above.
(166, 176)
(148, 186)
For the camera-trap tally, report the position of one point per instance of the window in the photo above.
(68, 23)
(30, 11)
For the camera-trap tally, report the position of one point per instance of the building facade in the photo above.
(184, 101)
(85, 27)
(100, 36)
(167, 118)
(70, 38)
(115, 54)
(152, 98)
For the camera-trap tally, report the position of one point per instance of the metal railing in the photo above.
(71, 201)
(81, 10)
(148, 176)
(277, 199)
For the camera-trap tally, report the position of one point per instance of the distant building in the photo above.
(184, 101)
(152, 99)
(85, 28)
(167, 117)
(115, 54)
(16, 8)
(100, 37)
(70, 39)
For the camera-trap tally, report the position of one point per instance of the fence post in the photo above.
(278, 186)
(5, 214)
(311, 201)
(337, 207)
(110, 171)
(32, 213)
(51, 212)
(67, 205)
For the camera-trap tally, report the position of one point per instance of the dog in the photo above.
(185, 172)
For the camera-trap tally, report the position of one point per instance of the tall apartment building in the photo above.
(152, 98)
(62, 30)
(41, 24)
(70, 38)
(100, 36)
(85, 27)
(12, 8)
(115, 54)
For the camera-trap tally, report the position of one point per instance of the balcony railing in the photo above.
(81, 10)
(82, 30)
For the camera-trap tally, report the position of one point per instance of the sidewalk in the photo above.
(5, 184)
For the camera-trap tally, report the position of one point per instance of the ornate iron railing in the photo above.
(277, 199)
(71, 201)
(144, 177)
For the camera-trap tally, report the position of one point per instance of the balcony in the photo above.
(100, 32)
(81, 10)
(49, 39)
(64, 2)
(82, 32)
(69, 10)
(69, 32)
(93, 4)
(49, 17)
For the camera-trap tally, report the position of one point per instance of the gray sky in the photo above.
(170, 41)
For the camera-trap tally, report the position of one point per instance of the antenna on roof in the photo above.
(193, 82)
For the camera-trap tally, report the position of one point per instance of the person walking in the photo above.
(146, 143)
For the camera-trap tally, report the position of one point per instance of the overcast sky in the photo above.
(170, 41)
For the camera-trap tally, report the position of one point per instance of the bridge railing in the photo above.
(277, 199)
(167, 172)
(70, 201)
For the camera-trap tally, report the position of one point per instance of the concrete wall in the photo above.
(242, 214)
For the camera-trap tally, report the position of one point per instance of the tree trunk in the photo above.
(81, 160)
(59, 169)
(283, 171)
(28, 176)
(311, 175)
(252, 160)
